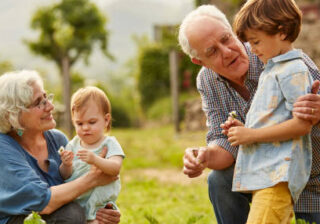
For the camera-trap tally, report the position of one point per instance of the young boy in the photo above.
(275, 172)
(91, 116)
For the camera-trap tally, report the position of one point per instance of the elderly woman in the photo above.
(29, 174)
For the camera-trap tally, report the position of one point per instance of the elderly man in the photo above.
(227, 82)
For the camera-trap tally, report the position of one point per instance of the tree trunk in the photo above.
(65, 70)
(173, 63)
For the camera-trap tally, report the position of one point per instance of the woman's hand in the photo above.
(99, 178)
(108, 216)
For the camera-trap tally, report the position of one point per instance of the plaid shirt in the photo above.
(219, 98)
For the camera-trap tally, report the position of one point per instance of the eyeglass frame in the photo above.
(43, 103)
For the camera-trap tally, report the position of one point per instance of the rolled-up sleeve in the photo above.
(213, 104)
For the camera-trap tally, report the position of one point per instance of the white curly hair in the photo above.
(204, 10)
(16, 93)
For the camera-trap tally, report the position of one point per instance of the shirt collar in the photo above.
(290, 55)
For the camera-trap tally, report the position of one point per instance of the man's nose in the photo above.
(253, 50)
(226, 51)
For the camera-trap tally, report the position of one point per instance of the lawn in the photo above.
(154, 189)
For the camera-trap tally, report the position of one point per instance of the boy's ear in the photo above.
(196, 61)
(283, 36)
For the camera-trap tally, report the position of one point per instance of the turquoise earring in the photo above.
(19, 132)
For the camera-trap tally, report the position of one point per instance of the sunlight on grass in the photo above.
(154, 189)
(155, 147)
(145, 201)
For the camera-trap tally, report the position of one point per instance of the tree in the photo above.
(69, 31)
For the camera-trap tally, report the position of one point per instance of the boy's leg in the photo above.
(308, 217)
(71, 213)
(229, 207)
(271, 205)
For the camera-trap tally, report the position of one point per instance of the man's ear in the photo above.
(196, 61)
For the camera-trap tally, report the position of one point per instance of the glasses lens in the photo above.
(44, 101)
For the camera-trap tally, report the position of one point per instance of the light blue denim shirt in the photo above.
(263, 165)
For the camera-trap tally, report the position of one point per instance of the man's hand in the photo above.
(195, 161)
(239, 136)
(86, 156)
(307, 107)
(108, 216)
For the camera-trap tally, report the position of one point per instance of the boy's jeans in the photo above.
(233, 207)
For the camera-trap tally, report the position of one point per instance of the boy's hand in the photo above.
(86, 156)
(230, 122)
(66, 157)
(240, 136)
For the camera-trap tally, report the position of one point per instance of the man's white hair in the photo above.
(204, 10)
(16, 93)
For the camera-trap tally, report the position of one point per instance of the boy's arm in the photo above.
(286, 130)
(110, 166)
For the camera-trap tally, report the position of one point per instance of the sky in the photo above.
(126, 17)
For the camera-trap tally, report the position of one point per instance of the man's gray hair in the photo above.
(204, 10)
(16, 93)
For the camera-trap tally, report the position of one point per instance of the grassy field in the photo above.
(154, 190)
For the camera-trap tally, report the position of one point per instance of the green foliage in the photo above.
(69, 28)
(161, 109)
(153, 80)
(5, 66)
(201, 2)
(33, 218)
(120, 115)
(151, 219)
(301, 221)
(236, 3)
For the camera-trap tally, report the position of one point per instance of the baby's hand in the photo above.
(86, 156)
(66, 157)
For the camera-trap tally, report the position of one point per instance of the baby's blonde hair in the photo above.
(83, 95)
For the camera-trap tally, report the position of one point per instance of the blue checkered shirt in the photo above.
(219, 98)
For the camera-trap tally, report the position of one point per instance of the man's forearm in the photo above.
(219, 158)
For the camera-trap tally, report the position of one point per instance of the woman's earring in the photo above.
(19, 132)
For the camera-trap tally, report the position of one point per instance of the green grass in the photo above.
(154, 190)
(156, 147)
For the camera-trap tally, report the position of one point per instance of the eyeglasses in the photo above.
(43, 103)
